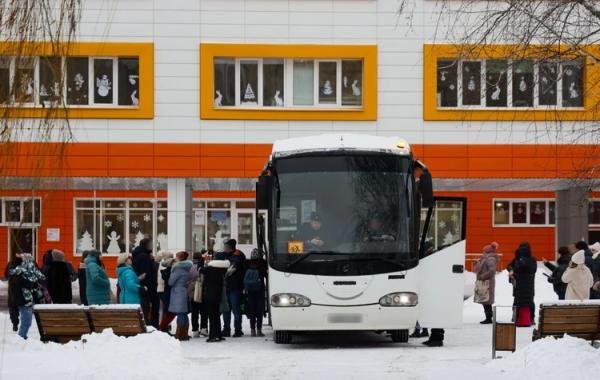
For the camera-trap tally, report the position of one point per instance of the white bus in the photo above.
(343, 235)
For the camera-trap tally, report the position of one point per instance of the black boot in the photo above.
(486, 321)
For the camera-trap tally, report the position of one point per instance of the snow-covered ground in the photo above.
(465, 355)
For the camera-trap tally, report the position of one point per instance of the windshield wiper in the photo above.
(307, 254)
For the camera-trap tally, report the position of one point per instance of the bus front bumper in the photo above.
(323, 318)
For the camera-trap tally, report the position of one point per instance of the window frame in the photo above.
(144, 52)
(527, 223)
(288, 53)
(98, 212)
(20, 223)
(431, 111)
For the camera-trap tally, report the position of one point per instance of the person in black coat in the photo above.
(147, 271)
(254, 285)
(564, 257)
(13, 308)
(212, 292)
(522, 269)
(59, 279)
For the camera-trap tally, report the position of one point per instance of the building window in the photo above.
(39, 81)
(523, 212)
(288, 82)
(20, 211)
(534, 83)
(262, 83)
(594, 213)
(115, 226)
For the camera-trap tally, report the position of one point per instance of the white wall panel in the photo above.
(177, 27)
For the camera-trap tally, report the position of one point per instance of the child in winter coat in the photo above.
(81, 277)
(27, 290)
(128, 281)
(165, 273)
(578, 278)
(97, 283)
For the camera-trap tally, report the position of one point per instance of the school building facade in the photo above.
(173, 107)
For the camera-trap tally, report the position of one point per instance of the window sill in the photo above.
(523, 225)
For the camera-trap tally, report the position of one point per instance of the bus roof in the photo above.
(342, 142)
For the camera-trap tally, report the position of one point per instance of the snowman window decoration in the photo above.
(103, 86)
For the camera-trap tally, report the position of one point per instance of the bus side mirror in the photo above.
(263, 192)
(426, 188)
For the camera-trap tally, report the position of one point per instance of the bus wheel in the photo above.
(399, 336)
(284, 337)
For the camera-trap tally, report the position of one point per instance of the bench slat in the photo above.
(562, 327)
(581, 321)
(569, 320)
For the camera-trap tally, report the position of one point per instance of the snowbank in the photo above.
(102, 356)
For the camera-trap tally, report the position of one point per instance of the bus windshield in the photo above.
(342, 214)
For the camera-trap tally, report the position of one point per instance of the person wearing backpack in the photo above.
(254, 286)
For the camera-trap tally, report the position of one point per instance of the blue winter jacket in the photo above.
(129, 284)
(180, 276)
(97, 284)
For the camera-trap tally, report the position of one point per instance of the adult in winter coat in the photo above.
(27, 290)
(46, 262)
(81, 277)
(578, 278)
(590, 263)
(13, 309)
(485, 270)
(523, 269)
(234, 282)
(254, 285)
(564, 258)
(97, 283)
(128, 281)
(146, 269)
(59, 279)
(212, 292)
(165, 273)
(178, 305)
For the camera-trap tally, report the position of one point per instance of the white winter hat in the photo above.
(595, 248)
(578, 257)
(122, 258)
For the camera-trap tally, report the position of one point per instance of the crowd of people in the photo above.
(211, 286)
(574, 276)
(208, 285)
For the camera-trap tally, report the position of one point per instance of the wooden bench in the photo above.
(123, 321)
(580, 319)
(63, 323)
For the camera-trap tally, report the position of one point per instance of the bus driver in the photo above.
(311, 234)
(376, 231)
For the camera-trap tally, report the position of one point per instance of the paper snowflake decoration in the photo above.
(120, 218)
(147, 217)
(454, 217)
(442, 224)
(107, 223)
(135, 224)
(160, 218)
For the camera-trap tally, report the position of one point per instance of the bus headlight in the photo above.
(399, 299)
(289, 300)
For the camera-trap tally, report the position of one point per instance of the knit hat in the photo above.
(578, 257)
(492, 247)
(122, 258)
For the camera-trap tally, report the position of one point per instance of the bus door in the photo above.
(441, 263)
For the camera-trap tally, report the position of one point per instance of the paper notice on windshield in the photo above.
(295, 247)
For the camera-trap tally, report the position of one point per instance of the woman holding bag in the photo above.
(485, 285)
